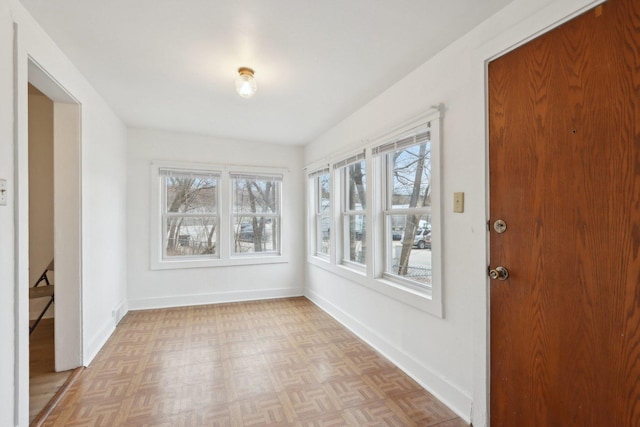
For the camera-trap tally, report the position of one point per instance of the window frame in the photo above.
(273, 215)
(165, 215)
(225, 232)
(317, 215)
(372, 274)
(342, 169)
(385, 153)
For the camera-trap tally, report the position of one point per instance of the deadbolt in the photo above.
(499, 273)
(500, 226)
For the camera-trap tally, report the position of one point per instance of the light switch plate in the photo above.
(3, 192)
(458, 202)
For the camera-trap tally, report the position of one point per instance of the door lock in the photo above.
(500, 226)
(499, 273)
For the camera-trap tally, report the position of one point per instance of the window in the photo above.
(354, 204)
(256, 213)
(189, 214)
(407, 211)
(387, 227)
(212, 215)
(322, 211)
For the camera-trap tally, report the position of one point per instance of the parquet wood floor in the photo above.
(276, 362)
(44, 381)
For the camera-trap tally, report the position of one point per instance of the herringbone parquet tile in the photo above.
(278, 362)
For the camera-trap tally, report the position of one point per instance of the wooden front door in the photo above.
(565, 178)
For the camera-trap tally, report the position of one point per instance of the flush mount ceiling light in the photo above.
(245, 83)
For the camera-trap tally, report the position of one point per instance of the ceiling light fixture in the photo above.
(245, 83)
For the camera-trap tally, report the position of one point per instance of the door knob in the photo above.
(499, 273)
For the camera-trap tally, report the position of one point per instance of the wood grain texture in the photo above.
(565, 176)
(278, 362)
(56, 398)
(44, 382)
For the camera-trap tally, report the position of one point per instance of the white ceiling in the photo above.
(171, 64)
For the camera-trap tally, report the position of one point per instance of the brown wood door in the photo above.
(565, 177)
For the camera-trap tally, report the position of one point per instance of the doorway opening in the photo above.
(54, 237)
(44, 381)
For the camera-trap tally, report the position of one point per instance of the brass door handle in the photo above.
(499, 273)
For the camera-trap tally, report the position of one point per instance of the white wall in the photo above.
(7, 313)
(188, 286)
(103, 178)
(449, 355)
(104, 222)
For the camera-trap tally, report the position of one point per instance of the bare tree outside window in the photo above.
(190, 214)
(408, 213)
(322, 190)
(354, 212)
(256, 213)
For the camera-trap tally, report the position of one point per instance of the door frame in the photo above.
(67, 221)
(548, 18)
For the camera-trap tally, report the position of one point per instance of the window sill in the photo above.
(213, 263)
(354, 267)
(421, 300)
(318, 259)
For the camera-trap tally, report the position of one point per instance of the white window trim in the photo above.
(310, 170)
(226, 258)
(234, 174)
(314, 213)
(165, 215)
(341, 169)
(386, 186)
(371, 276)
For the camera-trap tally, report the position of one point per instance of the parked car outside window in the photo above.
(422, 240)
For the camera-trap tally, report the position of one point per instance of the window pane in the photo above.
(356, 186)
(189, 236)
(323, 233)
(191, 194)
(356, 243)
(409, 247)
(324, 193)
(256, 196)
(255, 234)
(411, 172)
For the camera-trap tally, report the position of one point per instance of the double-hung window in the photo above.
(190, 216)
(353, 177)
(407, 210)
(321, 182)
(392, 189)
(255, 217)
(215, 215)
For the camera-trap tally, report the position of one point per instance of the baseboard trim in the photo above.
(98, 341)
(213, 298)
(448, 393)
